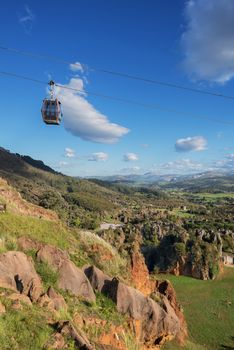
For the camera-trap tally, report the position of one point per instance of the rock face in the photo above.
(157, 321)
(51, 255)
(70, 278)
(65, 328)
(98, 280)
(52, 300)
(20, 298)
(140, 273)
(26, 244)
(18, 273)
(74, 280)
(165, 288)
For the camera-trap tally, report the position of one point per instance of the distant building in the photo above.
(228, 258)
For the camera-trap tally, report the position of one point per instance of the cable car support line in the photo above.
(115, 73)
(120, 99)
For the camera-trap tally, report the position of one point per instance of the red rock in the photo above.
(156, 322)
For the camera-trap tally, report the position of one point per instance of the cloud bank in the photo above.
(208, 40)
(196, 143)
(83, 120)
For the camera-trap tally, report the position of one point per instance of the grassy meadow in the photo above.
(209, 311)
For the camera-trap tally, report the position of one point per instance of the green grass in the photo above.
(209, 311)
(24, 329)
(215, 195)
(50, 232)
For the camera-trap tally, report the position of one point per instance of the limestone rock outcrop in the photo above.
(158, 321)
(17, 272)
(70, 277)
(65, 328)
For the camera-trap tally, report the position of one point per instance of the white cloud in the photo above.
(98, 157)
(196, 143)
(76, 67)
(128, 157)
(227, 163)
(208, 40)
(70, 153)
(181, 166)
(83, 120)
(27, 19)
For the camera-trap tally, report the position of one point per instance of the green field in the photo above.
(209, 311)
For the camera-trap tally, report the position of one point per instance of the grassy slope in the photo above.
(209, 311)
(17, 326)
(34, 183)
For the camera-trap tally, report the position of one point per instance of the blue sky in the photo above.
(185, 42)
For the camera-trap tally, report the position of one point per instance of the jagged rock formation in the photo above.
(153, 322)
(70, 277)
(158, 321)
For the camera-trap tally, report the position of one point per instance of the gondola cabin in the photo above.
(51, 111)
(51, 108)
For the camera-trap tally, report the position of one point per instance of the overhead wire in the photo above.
(120, 99)
(116, 73)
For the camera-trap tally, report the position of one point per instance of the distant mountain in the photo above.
(208, 181)
(214, 182)
(146, 178)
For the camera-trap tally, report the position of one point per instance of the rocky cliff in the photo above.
(73, 290)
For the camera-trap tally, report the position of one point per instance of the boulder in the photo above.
(73, 279)
(52, 300)
(157, 321)
(67, 329)
(52, 255)
(18, 273)
(20, 298)
(26, 243)
(70, 278)
(57, 299)
(166, 289)
(98, 280)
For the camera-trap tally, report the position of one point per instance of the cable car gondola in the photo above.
(51, 108)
